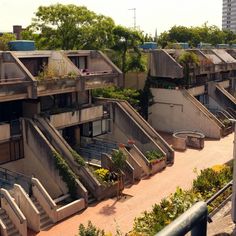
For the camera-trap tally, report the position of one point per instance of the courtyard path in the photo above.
(112, 214)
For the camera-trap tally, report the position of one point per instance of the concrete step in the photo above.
(45, 223)
(12, 231)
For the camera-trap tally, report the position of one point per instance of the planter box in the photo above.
(108, 191)
(158, 166)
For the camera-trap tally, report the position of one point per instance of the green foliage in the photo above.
(102, 174)
(90, 230)
(207, 183)
(195, 35)
(130, 95)
(154, 155)
(78, 158)
(118, 158)
(4, 40)
(145, 98)
(165, 212)
(126, 39)
(187, 58)
(69, 27)
(66, 173)
(210, 181)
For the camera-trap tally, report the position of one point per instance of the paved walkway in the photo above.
(110, 214)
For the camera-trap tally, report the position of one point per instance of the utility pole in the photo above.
(134, 17)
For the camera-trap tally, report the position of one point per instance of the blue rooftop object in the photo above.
(148, 46)
(22, 45)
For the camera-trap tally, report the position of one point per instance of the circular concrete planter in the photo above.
(184, 139)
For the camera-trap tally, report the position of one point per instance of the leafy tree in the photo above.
(5, 39)
(195, 35)
(188, 59)
(124, 40)
(70, 27)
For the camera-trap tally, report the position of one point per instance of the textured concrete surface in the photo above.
(112, 213)
(222, 223)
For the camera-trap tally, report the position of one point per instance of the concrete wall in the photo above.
(225, 84)
(220, 95)
(197, 90)
(14, 213)
(4, 132)
(161, 64)
(27, 207)
(135, 80)
(172, 112)
(97, 63)
(71, 118)
(41, 162)
(12, 71)
(70, 209)
(60, 65)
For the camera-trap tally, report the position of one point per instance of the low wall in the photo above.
(14, 213)
(184, 139)
(27, 207)
(140, 158)
(70, 209)
(44, 199)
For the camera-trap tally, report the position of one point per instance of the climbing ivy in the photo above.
(78, 158)
(66, 173)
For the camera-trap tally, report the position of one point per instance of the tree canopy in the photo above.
(195, 35)
(5, 39)
(69, 27)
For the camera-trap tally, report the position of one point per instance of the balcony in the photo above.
(66, 119)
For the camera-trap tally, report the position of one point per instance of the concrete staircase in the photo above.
(148, 129)
(92, 151)
(45, 221)
(11, 229)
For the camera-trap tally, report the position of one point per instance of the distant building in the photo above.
(229, 15)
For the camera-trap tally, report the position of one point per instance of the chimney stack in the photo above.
(17, 31)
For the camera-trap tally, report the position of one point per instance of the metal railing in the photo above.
(194, 219)
(9, 178)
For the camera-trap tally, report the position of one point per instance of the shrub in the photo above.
(154, 155)
(102, 174)
(90, 230)
(207, 183)
(118, 158)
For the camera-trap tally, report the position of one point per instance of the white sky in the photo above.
(150, 14)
